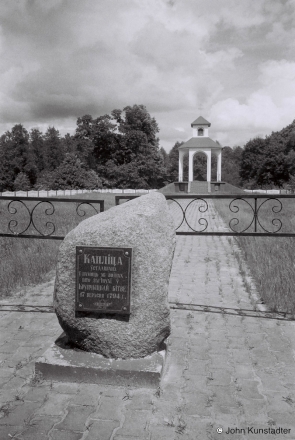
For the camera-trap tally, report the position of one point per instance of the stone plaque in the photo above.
(103, 279)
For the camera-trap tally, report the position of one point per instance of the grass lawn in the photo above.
(271, 260)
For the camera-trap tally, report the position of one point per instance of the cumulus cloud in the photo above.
(61, 59)
(267, 109)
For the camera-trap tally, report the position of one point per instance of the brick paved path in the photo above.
(223, 369)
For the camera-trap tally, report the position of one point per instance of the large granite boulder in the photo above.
(145, 225)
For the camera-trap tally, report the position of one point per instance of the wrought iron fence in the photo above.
(23, 217)
(243, 215)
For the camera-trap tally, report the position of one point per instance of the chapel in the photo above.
(200, 142)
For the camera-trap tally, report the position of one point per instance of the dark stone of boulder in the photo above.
(145, 225)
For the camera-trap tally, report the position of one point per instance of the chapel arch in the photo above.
(200, 142)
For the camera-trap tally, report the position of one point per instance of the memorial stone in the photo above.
(144, 228)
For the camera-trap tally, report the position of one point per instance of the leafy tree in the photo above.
(230, 165)
(125, 137)
(16, 144)
(273, 169)
(22, 182)
(38, 148)
(173, 162)
(45, 180)
(54, 153)
(7, 174)
(69, 145)
(165, 158)
(252, 156)
(72, 174)
(137, 118)
(95, 139)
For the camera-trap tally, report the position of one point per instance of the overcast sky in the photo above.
(231, 61)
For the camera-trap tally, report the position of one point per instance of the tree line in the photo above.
(117, 150)
(122, 150)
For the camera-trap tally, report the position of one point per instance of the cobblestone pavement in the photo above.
(223, 370)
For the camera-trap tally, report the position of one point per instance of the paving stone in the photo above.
(9, 347)
(14, 383)
(225, 396)
(220, 378)
(88, 395)
(38, 428)
(101, 429)
(141, 402)
(197, 405)
(240, 356)
(220, 361)
(65, 435)
(136, 424)
(109, 391)
(20, 414)
(76, 418)
(284, 419)
(162, 432)
(109, 409)
(65, 388)
(36, 394)
(7, 432)
(54, 405)
(250, 389)
(194, 383)
(198, 367)
(244, 371)
(253, 410)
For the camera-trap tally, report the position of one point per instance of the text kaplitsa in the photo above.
(103, 259)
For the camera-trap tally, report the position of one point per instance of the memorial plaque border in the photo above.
(125, 310)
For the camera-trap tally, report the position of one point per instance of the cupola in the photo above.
(200, 127)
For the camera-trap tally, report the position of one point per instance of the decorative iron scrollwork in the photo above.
(30, 216)
(256, 221)
(14, 223)
(202, 221)
(83, 213)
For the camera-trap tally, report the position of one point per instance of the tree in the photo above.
(95, 139)
(173, 162)
(54, 153)
(273, 170)
(7, 174)
(45, 180)
(38, 148)
(124, 139)
(137, 118)
(252, 156)
(73, 174)
(230, 166)
(22, 182)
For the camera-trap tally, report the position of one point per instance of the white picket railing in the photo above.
(267, 191)
(70, 192)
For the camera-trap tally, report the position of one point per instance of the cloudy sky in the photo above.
(231, 61)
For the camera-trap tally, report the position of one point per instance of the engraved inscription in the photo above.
(103, 279)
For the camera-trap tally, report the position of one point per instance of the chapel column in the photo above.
(208, 153)
(219, 167)
(180, 166)
(191, 165)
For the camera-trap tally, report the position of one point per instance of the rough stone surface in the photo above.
(146, 225)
